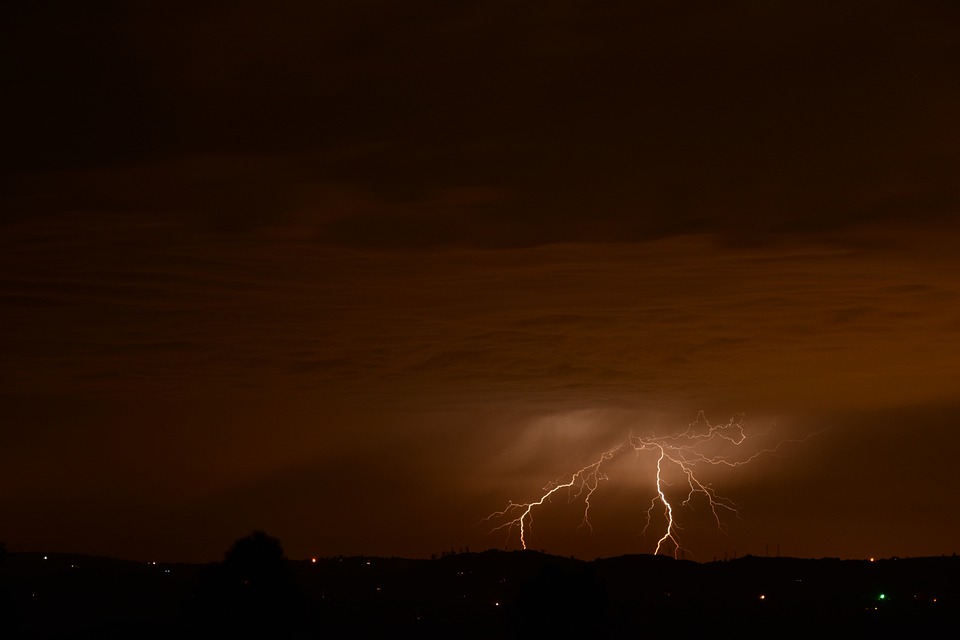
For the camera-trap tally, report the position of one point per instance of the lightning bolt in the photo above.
(684, 454)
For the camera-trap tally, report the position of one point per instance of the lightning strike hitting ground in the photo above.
(682, 453)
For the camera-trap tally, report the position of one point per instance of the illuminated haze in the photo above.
(361, 277)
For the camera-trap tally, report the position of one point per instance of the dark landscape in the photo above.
(256, 592)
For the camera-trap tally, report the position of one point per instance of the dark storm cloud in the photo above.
(252, 253)
(613, 123)
(572, 324)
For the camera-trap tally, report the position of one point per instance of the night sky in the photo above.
(359, 273)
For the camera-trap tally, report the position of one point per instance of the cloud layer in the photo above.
(259, 265)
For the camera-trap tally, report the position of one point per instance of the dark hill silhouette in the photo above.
(255, 591)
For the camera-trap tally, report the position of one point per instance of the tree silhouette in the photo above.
(252, 593)
(256, 561)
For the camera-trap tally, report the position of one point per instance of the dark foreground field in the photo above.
(479, 595)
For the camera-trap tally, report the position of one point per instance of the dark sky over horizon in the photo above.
(359, 273)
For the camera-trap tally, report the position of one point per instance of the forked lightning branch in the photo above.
(684, 455)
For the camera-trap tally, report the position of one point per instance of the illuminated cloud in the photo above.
(258, 254)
